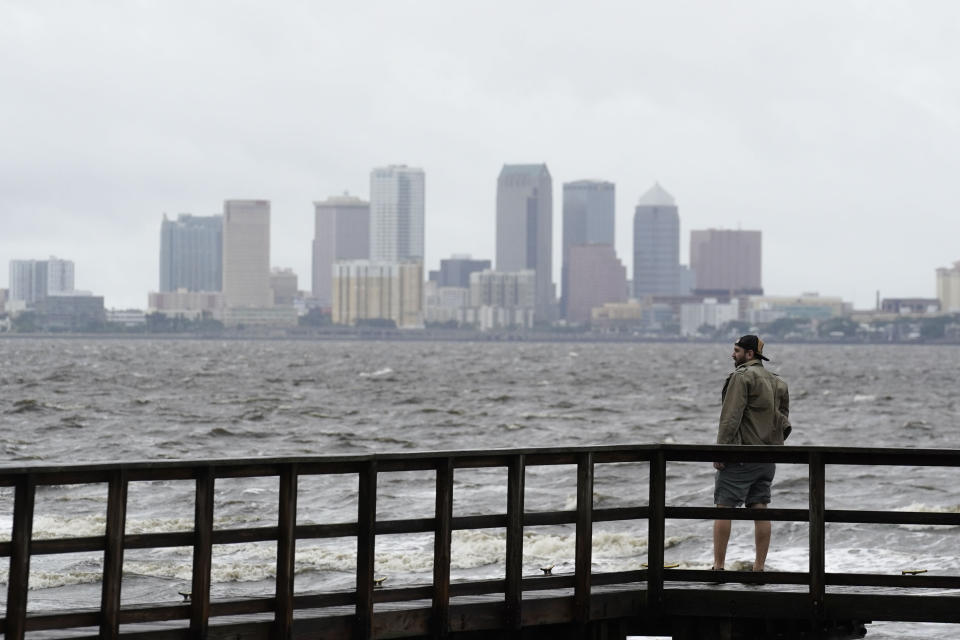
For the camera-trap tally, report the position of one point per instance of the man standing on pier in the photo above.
(755, 412)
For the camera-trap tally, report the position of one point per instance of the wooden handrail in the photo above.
(200, 610)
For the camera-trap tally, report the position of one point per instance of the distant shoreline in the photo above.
(442, 336)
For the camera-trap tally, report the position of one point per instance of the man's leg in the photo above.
(761, 535)
(721, 536)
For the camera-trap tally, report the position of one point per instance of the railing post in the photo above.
(113, 555)
(442, 538)
(202, 553)
(656, 528)
(366, 544)
(513, 592)
(584, 544)
(817, 474)
(19, 575)
(286, 552)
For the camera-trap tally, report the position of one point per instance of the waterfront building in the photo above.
(443, 304)
(69, 312)
(126, 317)
(4, 296)
(948, 288)
(595, 276)
(283, 283)
(396, 214)
(455, 271)
(589, 214)
(191, 253)
(709, 313)
(369, 290)
(910, 305)
(246, 254)
(188, 304)
(656, 244)
(726, 262)
(341, 232)
(807, 306)
(525, 228)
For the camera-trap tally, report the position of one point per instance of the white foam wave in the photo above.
(864, 398)
(376, 374)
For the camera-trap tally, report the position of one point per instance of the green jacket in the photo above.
(756, 407)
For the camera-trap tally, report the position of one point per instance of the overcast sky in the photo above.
(833, 127)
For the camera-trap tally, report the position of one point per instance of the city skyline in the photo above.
(840, 151)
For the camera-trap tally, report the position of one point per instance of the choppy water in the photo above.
(94, 400)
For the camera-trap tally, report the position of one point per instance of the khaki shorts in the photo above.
(744, 483)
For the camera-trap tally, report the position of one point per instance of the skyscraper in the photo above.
(726, 261)
(191, 253)
(396, 213)
(588, 218)
(341, 232)
(525, 227)
(656, 244)
(246, 254)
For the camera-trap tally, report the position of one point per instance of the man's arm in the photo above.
(734, 403)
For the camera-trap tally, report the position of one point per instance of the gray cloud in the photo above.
(832, 127)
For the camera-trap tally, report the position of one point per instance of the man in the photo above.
(755, 412)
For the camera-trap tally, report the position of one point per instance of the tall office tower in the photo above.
(596, 277)
(246, 254)
(525, 227)
(656, 244)
(341, 232)
(726, 262)
(191, 253)
(59, 276)
(455, 271)
(396, 213)
(588, 218)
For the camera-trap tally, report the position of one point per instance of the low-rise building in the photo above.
(807, 306)
(709, 313)
(71, 312)
(126, 317)
(905, 306)
(187, 304)
(283, 283)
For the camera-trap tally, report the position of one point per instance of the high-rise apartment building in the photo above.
(246, 254)
(656, 244)
(191, 253)
(726, 262)
(60, 276)
(396, 213)
(588, 219)
(33, 280)
(525, 227)
(341, 232)
(366, 290)
(595, 277)
(948, 288)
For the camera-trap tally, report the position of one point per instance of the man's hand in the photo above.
(718, 466)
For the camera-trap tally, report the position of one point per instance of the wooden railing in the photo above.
(654, 581)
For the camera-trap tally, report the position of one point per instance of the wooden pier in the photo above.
(681, 603)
